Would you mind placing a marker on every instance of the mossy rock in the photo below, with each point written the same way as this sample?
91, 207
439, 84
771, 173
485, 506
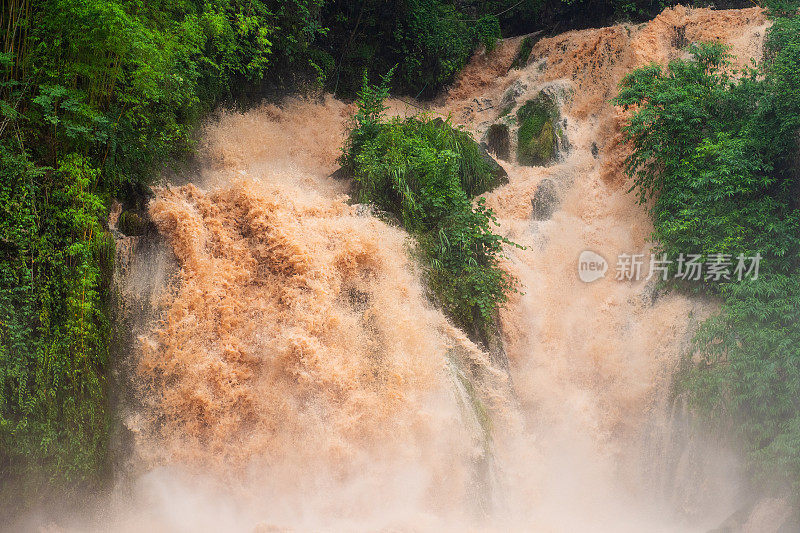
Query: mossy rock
509, 100
539, 131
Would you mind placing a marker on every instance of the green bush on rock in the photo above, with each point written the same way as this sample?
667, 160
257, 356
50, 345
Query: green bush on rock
426, 173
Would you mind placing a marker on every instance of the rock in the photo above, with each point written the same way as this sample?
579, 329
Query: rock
524, 52
679, 39
652, 291
525, 48
510, 97
345, 175
340, 174
135, 224
595, 150
545, 200
498, 141
483, 104
562, 143
540, 132
358, 299
499, 174
139, 195
364, 210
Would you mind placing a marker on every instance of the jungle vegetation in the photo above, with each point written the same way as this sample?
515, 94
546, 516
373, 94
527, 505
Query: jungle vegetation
716, 150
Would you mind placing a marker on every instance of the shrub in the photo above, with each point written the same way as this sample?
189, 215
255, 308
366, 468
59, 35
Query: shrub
715, 150
425, 172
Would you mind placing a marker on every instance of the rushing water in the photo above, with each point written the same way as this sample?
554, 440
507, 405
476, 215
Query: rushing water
291, 374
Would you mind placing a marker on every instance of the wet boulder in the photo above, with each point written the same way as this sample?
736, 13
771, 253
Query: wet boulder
766, 515
540, 132
545, 200
510, 97
135, 223
524, 52
522, 57
341, 174
498, 141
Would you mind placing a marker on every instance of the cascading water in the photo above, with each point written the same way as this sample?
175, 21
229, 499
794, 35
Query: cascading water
295, 376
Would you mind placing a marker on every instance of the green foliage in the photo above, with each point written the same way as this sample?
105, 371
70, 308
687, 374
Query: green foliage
53, 327
778, 9
124, 82
748, 375
524, 52
428, 41
425, 173
516, 17
715, 152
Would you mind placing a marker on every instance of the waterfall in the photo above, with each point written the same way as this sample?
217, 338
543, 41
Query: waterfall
291, 373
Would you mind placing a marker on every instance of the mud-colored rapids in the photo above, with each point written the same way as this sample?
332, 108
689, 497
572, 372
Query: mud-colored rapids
294, 376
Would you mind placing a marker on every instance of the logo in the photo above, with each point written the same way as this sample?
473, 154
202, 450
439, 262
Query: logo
591, 266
